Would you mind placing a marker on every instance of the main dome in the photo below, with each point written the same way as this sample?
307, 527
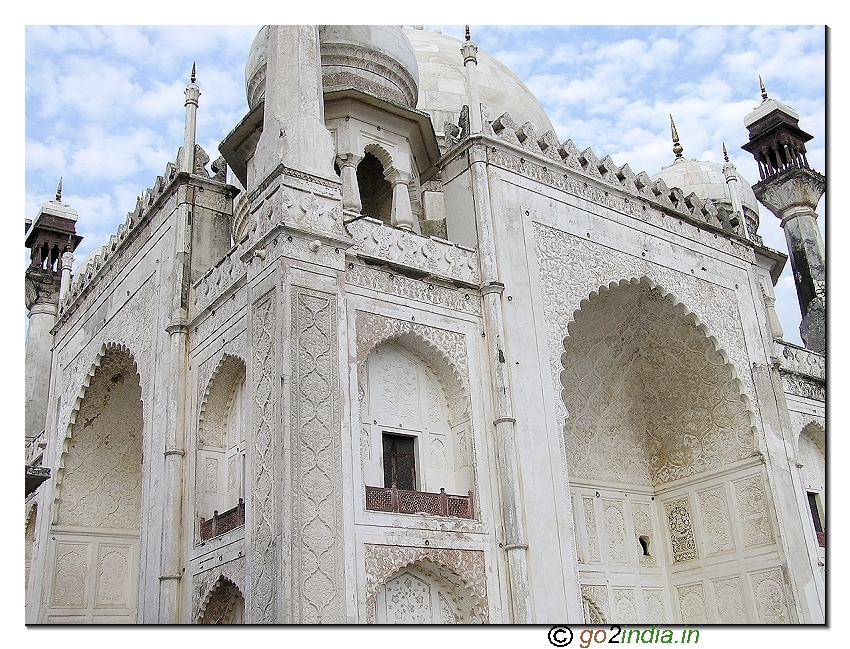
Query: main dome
442, 83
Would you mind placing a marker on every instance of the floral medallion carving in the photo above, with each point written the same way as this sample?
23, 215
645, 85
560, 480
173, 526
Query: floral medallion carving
754, 511
590, 529
714, 514
692, 604
615, 530
730, 601
768, 587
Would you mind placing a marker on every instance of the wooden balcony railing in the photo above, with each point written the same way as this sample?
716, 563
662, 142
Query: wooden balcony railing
221, 523
401, 501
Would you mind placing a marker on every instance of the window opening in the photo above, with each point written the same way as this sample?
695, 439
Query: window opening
813, 507
644, 545
375, 190
399, 462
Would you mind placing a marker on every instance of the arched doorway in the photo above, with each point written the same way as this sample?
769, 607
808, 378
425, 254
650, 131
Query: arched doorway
673, 513
93, 549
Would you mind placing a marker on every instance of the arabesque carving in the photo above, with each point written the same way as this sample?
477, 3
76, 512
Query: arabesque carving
681, 530
769, 590
463, 300
572, 268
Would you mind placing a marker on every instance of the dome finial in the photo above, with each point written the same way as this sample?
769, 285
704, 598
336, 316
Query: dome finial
725, 154
763, 89
59, 190
192, 78
677, 148
466, 33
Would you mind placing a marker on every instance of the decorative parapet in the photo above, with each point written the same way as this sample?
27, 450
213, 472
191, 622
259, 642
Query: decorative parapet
586, 163
34, 447
144, 205
429, 255
800, 361
218, 279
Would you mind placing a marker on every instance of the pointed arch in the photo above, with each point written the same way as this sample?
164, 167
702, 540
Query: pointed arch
445, 596
668, 365
107, 350
212, 414
95, 533
223, 604
444, 352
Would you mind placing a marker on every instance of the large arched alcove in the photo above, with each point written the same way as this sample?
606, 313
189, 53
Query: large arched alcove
425, 593
661, 452
93, 551
221, 448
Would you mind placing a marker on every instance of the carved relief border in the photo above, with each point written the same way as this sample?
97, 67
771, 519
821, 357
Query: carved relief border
316, 456
264, 553
383, 561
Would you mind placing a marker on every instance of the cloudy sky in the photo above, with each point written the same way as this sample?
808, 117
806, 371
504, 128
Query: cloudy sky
104, 105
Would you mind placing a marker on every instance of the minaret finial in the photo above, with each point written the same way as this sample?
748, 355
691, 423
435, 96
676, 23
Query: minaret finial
763, 89
192, 78
677, 148
59, 190
725, 154
466, 33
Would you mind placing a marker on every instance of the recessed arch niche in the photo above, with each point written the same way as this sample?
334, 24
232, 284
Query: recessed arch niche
93, 553
219, 467
661, 452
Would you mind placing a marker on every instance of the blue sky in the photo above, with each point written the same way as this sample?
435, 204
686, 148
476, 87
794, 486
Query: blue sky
104, 105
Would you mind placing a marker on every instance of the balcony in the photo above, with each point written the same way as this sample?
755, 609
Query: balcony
221, 523
400, 501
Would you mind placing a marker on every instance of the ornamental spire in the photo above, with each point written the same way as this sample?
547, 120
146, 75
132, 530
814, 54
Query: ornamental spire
677, 148
59, 191
763, 89
192, 78
466, 33
725, 153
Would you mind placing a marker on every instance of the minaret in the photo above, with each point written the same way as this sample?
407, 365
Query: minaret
731, 176
791, 190
193, 93
50, 237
